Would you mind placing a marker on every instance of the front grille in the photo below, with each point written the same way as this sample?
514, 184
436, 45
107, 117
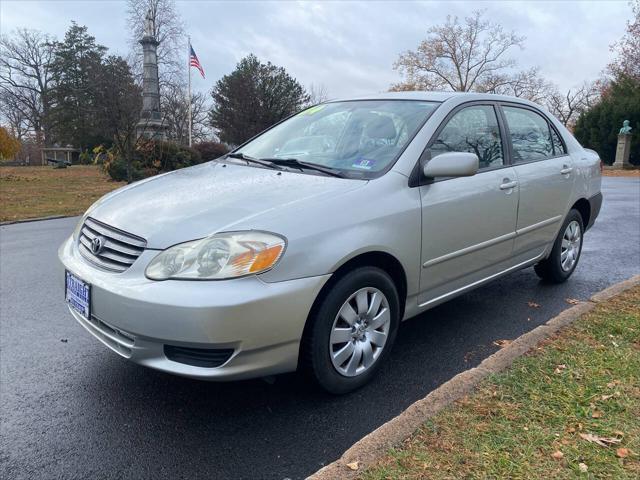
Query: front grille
198, 357
119, 249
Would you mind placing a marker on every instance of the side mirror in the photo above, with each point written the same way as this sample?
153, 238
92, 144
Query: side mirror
452, 164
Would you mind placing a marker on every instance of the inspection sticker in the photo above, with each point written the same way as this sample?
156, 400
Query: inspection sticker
364, 163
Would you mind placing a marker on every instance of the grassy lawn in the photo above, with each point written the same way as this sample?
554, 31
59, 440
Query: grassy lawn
621, 173
31, 192
571, 409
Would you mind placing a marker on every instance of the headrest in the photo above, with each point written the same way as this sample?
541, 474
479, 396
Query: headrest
380, 127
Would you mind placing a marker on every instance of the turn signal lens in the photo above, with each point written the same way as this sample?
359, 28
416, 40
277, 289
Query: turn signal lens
221, 256
266, 258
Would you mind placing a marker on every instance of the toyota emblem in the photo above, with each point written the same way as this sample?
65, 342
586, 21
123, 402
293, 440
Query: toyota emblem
97, 244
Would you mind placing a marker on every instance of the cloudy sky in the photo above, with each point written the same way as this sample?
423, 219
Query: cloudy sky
349, 47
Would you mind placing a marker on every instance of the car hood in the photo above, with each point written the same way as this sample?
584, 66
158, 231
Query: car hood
198, 201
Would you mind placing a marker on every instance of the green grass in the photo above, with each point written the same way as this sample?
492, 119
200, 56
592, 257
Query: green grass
585, 380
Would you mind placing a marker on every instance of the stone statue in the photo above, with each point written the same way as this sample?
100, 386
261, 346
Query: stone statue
148, 25
626, 129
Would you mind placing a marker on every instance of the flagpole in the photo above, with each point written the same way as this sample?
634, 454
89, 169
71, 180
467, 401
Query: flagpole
189, 99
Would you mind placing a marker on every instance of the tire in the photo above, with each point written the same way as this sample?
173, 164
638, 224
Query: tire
556, 268
331, 344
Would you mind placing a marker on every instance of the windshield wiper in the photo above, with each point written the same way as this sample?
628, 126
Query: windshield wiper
250, 159
295, 163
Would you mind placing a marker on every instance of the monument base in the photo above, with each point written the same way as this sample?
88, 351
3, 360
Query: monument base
152, 130
623, 151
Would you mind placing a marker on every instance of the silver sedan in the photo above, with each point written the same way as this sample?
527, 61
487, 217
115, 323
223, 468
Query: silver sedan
306, 247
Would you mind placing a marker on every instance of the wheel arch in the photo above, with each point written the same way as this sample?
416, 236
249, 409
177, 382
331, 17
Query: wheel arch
382, 260
584, 208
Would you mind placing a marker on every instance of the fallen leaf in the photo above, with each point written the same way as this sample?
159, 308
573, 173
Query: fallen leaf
597, 414
619, 433
613, 384
560, 368
534, 305
572, 301
602, 441
583, 467
565, 441
353, 465
622, 452
605, 397
502, 343
558, 455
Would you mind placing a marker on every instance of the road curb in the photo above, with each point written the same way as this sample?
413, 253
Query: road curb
38, 219
369, 449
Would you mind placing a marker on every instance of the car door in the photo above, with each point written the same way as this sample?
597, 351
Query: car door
545, 175
468, 223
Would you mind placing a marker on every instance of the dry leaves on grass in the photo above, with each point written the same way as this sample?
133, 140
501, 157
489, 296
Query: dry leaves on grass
602, 441
353, 465
558, 455
560, 368
534, 305
622, 452
583, 467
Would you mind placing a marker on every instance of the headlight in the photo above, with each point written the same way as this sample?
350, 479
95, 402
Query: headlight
224, 255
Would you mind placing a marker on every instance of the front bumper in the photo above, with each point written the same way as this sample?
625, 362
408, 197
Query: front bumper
136, 317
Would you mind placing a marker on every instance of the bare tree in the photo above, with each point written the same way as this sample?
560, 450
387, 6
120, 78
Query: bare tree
25, 77
627, 61
460, 56
13, 113
176, 114
528, 84
317, 93
168, 30
568, 106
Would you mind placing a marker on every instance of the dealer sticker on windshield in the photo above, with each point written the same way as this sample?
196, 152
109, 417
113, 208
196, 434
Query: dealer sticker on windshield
78, 294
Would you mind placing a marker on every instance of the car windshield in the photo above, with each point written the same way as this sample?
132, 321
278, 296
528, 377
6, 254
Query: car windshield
359, 139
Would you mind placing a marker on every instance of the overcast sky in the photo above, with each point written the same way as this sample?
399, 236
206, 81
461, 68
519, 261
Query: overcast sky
349, 47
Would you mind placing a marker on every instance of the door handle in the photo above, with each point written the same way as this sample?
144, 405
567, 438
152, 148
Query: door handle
566, 170
508, 185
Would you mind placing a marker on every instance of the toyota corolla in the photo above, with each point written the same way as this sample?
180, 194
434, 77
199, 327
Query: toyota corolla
306, 247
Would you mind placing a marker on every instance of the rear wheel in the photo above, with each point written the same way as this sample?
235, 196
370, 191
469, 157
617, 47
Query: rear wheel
566, 251
352, 331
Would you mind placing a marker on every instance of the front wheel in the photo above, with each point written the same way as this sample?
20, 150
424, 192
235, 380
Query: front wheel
352, 331
566, 251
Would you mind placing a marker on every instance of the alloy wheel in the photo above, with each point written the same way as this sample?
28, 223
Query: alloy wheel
359, 332
570, 249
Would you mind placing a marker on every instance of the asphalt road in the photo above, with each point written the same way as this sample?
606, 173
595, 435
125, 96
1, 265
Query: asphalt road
70, 408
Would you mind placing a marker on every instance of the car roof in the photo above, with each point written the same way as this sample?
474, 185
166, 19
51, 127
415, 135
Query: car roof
435, 96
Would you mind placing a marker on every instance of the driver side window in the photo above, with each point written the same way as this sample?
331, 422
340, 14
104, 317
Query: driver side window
475, 130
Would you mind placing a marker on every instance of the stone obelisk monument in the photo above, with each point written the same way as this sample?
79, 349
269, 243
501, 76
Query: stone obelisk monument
151, 125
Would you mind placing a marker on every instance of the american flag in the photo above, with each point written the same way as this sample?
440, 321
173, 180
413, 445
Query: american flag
194, 62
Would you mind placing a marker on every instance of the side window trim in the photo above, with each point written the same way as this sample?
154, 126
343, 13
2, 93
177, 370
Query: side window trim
416, 178
508, 133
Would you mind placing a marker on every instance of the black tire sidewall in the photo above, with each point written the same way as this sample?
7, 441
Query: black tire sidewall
320, 362
555, 262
